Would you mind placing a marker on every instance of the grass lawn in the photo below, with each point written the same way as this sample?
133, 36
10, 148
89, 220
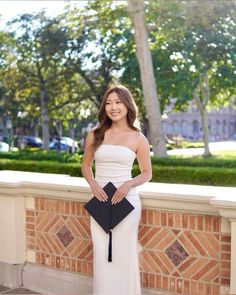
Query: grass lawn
224, 155
229, 155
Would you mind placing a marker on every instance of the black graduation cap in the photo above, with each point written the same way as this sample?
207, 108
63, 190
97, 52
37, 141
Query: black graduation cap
108, 215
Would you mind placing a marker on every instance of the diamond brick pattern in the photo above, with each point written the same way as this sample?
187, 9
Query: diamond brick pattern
182, 252
61, 235
65, 236
176, 253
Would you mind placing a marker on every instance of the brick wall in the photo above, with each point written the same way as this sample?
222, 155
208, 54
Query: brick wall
58, 231
181, 252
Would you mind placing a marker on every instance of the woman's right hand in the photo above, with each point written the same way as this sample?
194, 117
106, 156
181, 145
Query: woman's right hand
98, 191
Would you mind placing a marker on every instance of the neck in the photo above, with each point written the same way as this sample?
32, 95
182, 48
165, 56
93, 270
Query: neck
120, 125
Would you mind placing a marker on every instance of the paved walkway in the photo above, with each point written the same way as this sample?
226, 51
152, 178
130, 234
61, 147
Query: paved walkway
214, 148
6, 290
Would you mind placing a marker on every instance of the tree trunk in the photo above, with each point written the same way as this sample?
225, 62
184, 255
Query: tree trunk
45, 118
201, 95
72, 135
146, 128
36, 130
136, 10
72, 132
59, 128
205, 130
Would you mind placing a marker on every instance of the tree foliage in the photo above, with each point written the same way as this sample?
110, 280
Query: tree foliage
53, 67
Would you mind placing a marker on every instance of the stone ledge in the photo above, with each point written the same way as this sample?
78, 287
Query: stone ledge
10, 274
56, 282
181, 197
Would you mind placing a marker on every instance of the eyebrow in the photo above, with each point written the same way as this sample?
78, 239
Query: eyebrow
114, 99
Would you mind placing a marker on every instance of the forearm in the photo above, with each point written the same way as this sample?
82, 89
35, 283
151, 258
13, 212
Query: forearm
140, 179
96, 189
88, 173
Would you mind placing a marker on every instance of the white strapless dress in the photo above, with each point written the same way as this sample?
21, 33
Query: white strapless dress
121, 276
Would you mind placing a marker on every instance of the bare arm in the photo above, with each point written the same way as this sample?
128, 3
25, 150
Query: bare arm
145, 166
86, 169
144, 161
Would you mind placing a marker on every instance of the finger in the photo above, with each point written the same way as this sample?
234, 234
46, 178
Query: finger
104, 197
114, 198
98, 195
103, 194
121, 197
118, 200
117, 197
99, 198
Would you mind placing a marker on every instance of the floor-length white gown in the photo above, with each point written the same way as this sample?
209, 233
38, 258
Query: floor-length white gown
121, 276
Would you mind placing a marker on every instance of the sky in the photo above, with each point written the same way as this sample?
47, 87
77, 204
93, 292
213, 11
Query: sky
11, 8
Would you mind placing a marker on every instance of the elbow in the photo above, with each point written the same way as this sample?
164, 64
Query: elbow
83, 169
150, 176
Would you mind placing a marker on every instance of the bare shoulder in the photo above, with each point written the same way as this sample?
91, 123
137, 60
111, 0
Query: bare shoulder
142, 143
141, 139
91, 131
90, 134
90, 137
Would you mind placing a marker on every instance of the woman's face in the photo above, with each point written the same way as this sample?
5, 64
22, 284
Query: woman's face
115, 108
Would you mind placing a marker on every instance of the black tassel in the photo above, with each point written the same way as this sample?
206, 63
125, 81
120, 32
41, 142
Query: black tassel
110, 247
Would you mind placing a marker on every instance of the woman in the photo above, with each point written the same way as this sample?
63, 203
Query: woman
114, 144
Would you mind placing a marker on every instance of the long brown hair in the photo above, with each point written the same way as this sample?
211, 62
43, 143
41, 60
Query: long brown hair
105, 122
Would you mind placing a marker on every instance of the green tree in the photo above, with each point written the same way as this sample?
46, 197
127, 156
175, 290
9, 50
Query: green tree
136, 8
8, 103
40, 53
96, 35
193, 49
207, 59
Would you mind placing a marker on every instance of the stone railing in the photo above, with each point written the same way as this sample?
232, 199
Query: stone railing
187, 235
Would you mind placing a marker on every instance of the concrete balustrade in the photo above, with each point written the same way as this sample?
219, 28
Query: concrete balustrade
187, 236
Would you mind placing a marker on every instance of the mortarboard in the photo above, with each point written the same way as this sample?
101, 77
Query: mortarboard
108, 215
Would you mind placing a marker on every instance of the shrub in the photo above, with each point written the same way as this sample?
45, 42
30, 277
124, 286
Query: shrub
192, 175
194, 162
166, 174
72, 169
40, 155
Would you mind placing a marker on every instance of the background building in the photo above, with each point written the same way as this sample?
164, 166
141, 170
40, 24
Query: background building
221, 122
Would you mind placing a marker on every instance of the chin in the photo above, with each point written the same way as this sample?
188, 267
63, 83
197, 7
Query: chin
115, 118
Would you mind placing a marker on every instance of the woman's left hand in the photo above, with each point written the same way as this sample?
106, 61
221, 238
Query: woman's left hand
121, 192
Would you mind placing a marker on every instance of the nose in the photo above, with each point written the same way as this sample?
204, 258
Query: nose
113, 106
